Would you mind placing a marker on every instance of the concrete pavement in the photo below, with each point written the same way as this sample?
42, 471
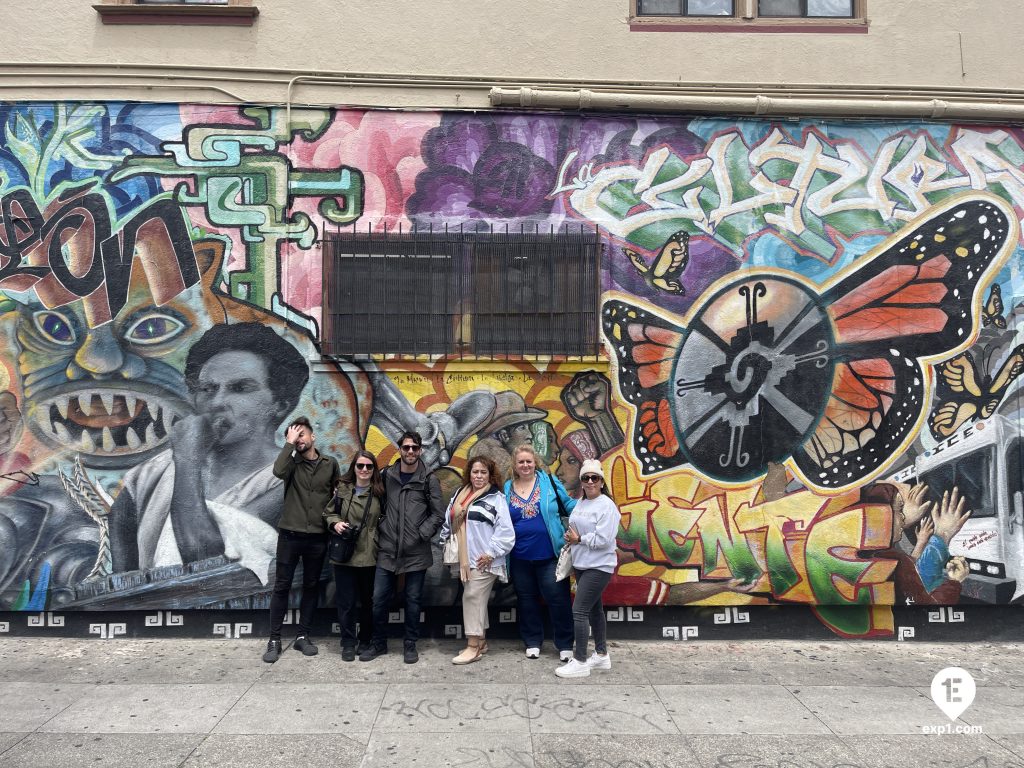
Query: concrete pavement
769, 704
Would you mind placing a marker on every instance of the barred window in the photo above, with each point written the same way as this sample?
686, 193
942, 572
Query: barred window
455, 293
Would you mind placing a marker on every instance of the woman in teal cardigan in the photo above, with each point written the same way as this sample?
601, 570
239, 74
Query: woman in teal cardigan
533, 500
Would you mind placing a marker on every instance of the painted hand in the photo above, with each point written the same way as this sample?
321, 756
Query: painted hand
956, 569
950, 515
916, 505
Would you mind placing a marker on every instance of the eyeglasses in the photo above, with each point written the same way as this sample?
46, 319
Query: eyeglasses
591, 478
411, 447
364, 466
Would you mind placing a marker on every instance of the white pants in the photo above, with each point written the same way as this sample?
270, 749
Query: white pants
475, 594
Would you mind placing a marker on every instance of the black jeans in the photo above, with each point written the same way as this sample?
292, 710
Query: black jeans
587, 608
383, 589
351, 585
311, 549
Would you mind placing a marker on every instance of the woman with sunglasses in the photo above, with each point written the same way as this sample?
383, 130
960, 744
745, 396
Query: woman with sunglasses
357, 503
537, 502
479, 517
591, 534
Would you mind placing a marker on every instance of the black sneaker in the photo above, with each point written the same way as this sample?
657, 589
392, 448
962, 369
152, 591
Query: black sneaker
348, 653
273, 652
304, 644
372, 653
411, 656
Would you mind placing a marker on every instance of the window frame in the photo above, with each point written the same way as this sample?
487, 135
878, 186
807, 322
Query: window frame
239, 13
745, 18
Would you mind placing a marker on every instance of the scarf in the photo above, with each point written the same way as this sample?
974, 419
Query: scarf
460, 513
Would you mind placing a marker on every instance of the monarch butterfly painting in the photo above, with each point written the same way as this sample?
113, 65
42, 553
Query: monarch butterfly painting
832, 379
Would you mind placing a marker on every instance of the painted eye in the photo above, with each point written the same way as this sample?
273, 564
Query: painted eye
55, 327
154, 329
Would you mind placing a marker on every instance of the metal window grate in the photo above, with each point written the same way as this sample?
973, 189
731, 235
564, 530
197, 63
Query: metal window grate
465, 294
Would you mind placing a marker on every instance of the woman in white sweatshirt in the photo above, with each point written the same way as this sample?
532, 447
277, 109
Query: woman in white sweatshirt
592, 529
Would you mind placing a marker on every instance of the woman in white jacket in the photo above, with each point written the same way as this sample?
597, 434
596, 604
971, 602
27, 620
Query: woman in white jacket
478, 513
592, 530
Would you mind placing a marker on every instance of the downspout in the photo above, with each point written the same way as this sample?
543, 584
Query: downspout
584, 99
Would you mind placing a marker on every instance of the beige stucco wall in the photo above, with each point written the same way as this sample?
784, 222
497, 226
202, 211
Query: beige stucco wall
909, 43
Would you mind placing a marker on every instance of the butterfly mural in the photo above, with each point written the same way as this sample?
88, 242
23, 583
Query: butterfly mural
965, 394
830, 379
668, 265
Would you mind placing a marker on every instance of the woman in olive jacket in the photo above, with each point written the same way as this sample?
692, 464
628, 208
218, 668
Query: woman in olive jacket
357, 502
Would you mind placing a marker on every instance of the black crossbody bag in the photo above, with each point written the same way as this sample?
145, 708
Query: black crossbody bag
341, 546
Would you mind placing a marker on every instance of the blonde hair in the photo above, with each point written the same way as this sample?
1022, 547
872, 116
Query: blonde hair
527, 448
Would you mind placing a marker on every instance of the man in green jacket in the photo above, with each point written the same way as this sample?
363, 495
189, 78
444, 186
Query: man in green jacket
309, 480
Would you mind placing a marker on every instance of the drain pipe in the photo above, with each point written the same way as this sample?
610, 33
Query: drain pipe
583, 99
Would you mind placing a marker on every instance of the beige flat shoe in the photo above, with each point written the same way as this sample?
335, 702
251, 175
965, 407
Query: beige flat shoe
468, 655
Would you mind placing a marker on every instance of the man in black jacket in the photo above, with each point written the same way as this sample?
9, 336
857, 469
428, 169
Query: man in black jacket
412, 514
309, 480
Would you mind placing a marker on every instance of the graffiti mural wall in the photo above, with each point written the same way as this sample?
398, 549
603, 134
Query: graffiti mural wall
810, 332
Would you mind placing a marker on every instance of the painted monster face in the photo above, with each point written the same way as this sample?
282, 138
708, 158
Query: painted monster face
108, 392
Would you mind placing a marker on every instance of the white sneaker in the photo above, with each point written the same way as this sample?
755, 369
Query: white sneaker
574, 668
564, 655
599, 662
533, 653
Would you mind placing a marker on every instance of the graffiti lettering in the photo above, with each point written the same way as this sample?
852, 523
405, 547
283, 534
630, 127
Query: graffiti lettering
69, 251
804, 188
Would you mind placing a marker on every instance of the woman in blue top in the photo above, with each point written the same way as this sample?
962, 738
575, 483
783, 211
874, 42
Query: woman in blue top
534, 507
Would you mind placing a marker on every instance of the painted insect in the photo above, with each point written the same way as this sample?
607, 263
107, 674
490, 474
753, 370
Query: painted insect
992, 314
966, 394
832, 379
668, 265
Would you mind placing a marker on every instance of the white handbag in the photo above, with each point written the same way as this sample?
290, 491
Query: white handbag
450, 554
564, 566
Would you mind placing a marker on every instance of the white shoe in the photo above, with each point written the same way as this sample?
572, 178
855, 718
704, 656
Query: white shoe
574, 668
599, 662
533, 653
564, 655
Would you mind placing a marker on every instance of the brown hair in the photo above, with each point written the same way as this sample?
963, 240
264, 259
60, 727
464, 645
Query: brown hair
376, 481
492, 470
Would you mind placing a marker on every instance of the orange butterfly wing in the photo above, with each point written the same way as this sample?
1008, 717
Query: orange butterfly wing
645, 348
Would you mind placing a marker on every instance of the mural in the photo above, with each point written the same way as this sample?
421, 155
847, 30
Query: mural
809, 392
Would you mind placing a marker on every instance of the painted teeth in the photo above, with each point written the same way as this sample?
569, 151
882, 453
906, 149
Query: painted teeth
62, 406
150, 436
108, 440
85, 405
107, 398
62, 433
133, 439
86, 444
130, 401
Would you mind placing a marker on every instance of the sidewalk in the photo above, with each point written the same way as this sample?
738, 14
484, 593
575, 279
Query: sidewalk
770, 704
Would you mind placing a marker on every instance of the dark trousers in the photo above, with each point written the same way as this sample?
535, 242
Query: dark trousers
293, 547
354, 585
534, 579
588, 611
383, 590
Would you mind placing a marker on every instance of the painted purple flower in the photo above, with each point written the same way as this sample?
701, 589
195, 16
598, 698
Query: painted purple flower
496, 168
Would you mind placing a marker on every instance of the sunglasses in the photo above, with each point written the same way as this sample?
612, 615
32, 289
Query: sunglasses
591, 478
364, 466
412, 448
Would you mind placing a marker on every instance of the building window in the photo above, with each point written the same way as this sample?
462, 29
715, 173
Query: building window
461, 294
750, 15
831, 9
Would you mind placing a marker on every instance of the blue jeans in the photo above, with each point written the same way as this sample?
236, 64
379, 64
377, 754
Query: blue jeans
532, 580
383, 590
